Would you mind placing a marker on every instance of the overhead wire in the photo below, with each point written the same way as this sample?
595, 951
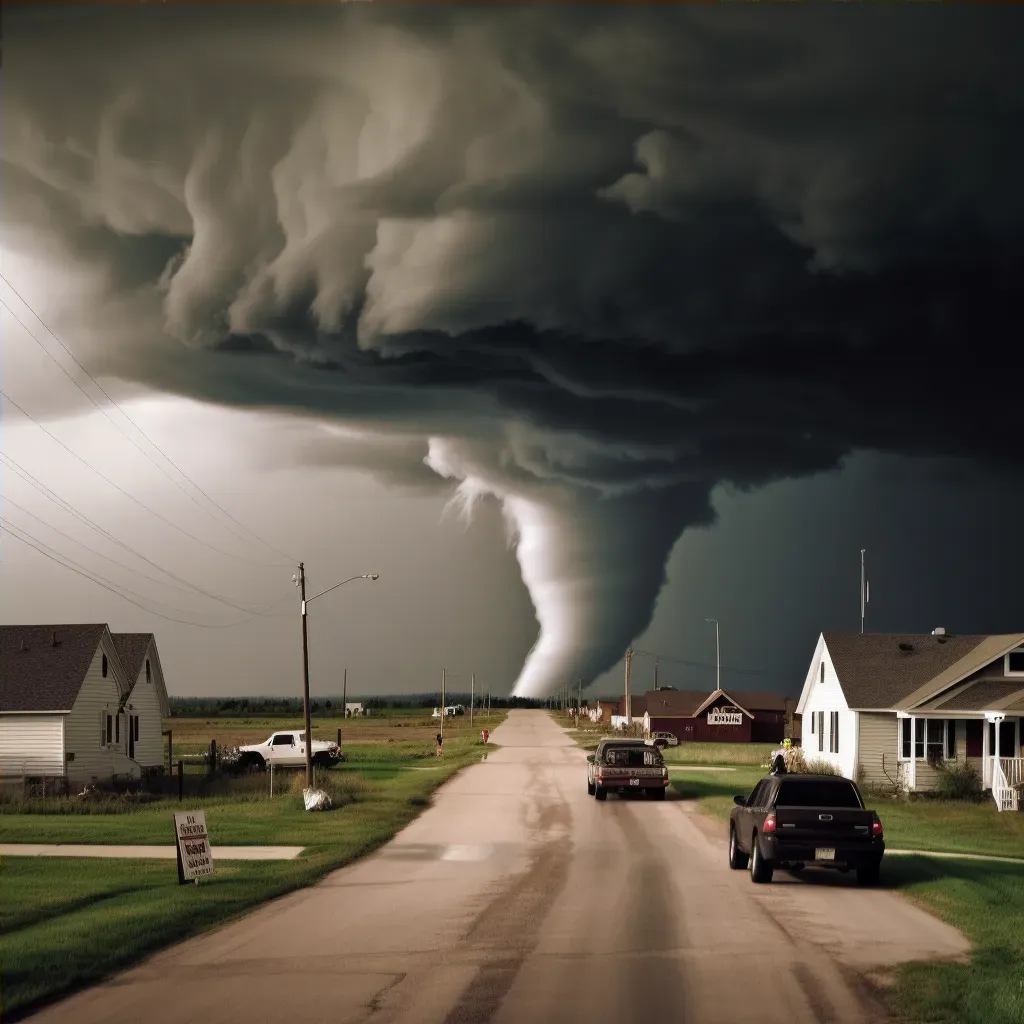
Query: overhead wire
106, 479
68, 507
120, 591
148, 439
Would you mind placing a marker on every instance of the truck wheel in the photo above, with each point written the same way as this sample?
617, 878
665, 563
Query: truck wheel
322, 761
870, 874
658, 794
761, 870
600, 792
590, 788
737, 858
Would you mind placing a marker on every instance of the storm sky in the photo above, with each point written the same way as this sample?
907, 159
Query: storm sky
577, 325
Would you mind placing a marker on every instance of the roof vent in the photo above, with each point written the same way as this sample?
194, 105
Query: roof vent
939, 631
906, 647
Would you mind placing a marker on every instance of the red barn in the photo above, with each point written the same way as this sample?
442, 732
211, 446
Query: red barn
722, 716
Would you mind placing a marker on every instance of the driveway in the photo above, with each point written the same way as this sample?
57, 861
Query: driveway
517, 898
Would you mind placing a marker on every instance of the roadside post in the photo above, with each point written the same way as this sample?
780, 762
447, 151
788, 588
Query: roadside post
181, 780
192, 842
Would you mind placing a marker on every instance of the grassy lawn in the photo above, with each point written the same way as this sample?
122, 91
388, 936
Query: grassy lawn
986, 902
109, 914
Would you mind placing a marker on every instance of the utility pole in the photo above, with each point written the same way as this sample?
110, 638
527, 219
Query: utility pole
344, 695
655, 673
863, 590
628, 708
579, 704
488, 703
718, 656
472, 699
444, 674
305, 679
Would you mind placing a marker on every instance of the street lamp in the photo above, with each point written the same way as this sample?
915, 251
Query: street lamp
718, 656
300, 582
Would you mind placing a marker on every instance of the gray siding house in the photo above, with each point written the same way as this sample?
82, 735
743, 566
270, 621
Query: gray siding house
890, 708
79, 704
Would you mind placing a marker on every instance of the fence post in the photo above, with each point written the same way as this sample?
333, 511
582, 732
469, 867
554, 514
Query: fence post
213, 758
181, 780
170, 752
339, 735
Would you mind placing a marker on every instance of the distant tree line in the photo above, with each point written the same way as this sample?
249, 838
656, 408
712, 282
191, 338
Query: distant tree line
269, 707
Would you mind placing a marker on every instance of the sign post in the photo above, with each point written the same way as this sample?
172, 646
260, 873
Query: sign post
195, 860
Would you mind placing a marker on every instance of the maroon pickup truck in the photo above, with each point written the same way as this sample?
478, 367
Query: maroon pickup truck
626, 766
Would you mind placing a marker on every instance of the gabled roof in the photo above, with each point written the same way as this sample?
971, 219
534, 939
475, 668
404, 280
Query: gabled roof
898, 670
42, 668
985, 694
686, 703
761, 700
131, 649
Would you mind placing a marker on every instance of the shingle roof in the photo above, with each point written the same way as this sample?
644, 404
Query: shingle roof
759, 700
875, 672
131, 649
674, 703
637, 705
36, 674
980, 695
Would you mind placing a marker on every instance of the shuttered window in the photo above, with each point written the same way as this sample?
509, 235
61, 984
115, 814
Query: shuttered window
821, 730
833, 732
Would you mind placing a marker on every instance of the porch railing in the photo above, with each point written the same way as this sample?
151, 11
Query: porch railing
1007, 778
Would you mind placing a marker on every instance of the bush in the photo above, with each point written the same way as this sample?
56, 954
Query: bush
798, 763
957, 780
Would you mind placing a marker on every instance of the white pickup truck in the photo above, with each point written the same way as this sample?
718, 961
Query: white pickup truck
288, 750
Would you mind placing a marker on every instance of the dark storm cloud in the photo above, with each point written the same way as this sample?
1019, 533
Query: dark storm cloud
598, 260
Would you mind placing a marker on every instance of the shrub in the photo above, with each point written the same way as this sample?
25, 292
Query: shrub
957, 780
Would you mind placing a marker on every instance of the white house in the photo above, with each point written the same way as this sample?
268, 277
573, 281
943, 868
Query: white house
79, 704
353, 709
888, 708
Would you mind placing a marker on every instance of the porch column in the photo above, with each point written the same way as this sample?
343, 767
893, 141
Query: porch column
912, 779
986, 763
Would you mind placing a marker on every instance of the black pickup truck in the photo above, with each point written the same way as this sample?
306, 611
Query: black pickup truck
791, 821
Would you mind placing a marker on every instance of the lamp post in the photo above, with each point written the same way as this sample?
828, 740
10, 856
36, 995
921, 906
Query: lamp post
718, 656
300, 582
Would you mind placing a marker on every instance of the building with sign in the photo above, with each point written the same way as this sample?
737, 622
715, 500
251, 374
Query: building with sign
721, 716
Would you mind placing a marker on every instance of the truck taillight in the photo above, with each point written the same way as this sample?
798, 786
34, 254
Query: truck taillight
769, 824
664, 773
876, 828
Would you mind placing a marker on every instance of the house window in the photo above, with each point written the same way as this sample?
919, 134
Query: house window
823, 672
821, 730
104, 666
117, 728
109, 732
833, 732
136, 728
812, 723
1015, 663
149, 674
934, 739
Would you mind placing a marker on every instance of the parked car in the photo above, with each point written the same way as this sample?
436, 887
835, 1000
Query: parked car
288, 750
626, 766
665, 739
790, 821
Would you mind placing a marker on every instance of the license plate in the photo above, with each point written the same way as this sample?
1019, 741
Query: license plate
634, 782
825, 854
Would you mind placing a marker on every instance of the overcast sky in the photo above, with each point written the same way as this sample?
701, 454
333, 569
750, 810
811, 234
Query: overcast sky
577, 326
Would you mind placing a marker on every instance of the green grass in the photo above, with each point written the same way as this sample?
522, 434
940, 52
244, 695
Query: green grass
108, 914
986, 902
933, 825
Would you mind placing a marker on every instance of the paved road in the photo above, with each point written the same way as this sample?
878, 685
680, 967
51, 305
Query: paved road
517, 898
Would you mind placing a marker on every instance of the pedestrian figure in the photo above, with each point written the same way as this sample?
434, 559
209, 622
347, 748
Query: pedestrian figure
440, 740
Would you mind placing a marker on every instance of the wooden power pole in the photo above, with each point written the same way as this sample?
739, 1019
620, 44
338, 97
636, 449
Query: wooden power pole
628, 708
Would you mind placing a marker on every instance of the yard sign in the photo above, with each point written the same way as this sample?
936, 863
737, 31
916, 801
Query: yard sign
193, 843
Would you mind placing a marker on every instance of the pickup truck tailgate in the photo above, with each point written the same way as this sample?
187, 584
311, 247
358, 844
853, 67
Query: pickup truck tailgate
823, 825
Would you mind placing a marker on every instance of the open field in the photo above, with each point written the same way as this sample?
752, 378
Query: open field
109, 914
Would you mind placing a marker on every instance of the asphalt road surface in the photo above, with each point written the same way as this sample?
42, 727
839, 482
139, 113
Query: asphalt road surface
518, 899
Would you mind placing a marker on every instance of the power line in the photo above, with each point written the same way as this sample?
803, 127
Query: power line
127, 494
114, 561
68, 507
149, 440
123, 595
